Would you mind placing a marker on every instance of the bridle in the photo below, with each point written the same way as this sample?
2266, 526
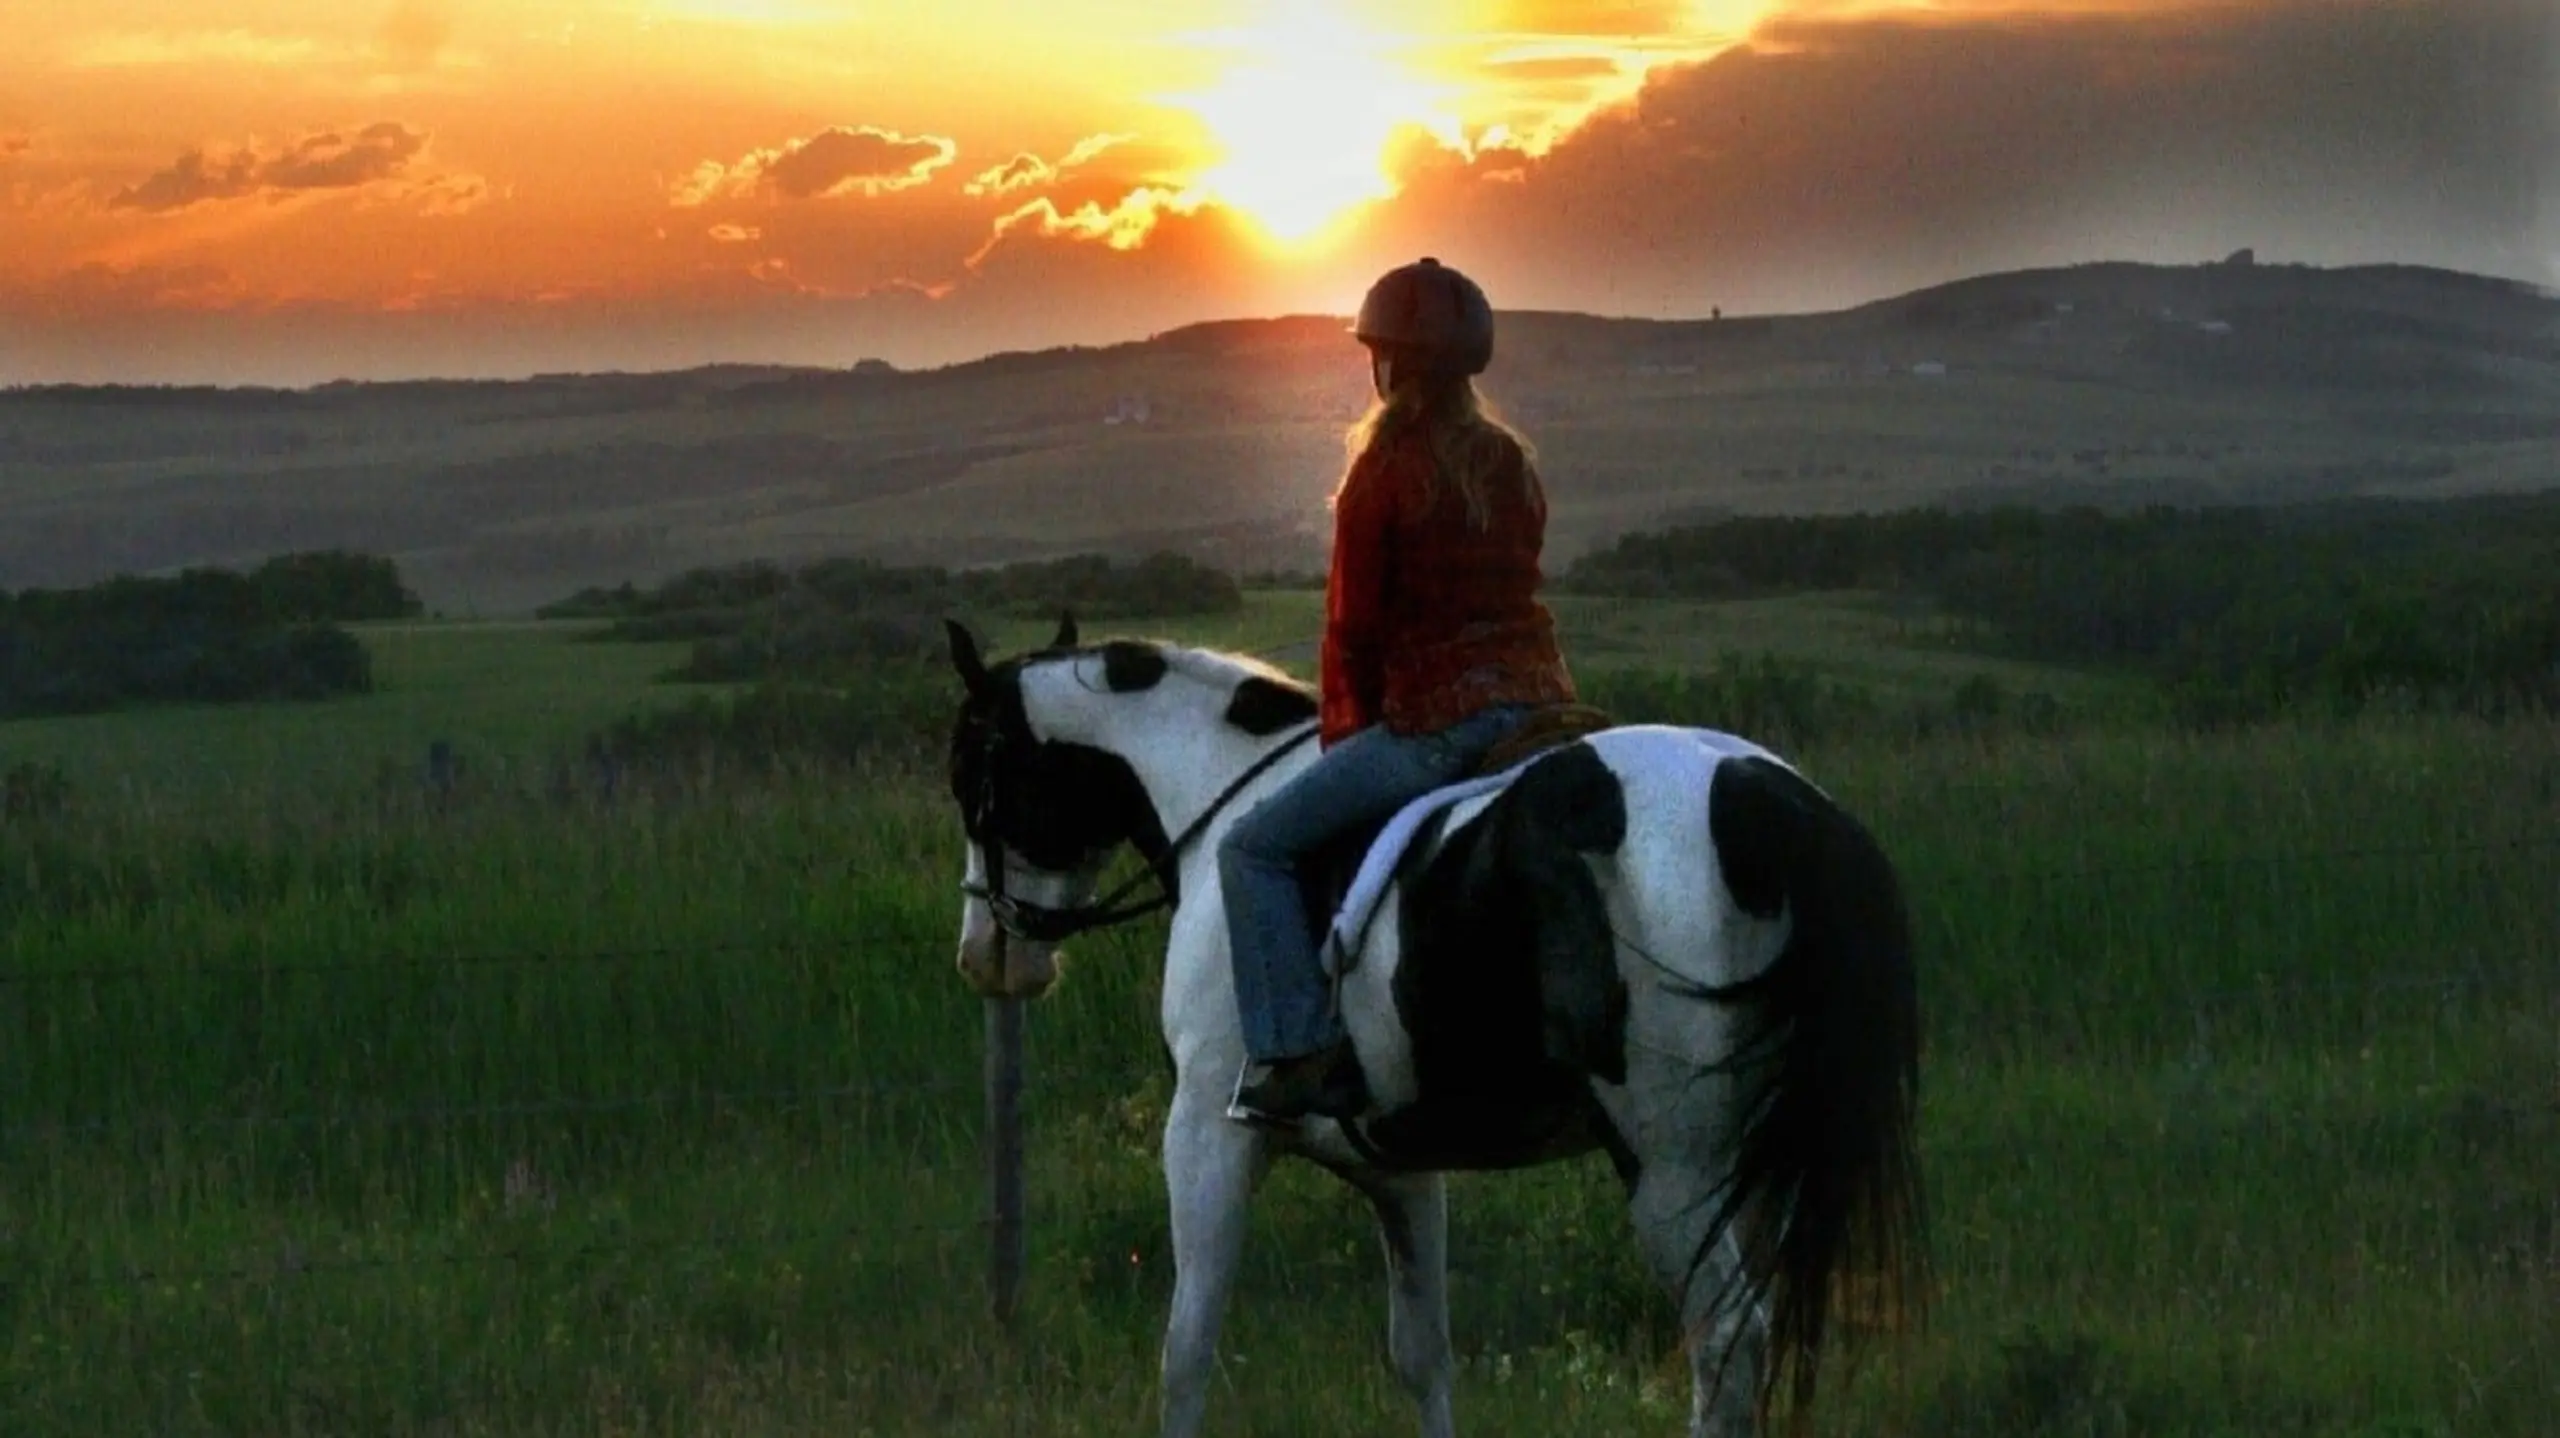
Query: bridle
1044, 924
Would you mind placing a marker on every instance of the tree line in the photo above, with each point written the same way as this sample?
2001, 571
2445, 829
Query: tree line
842, 619
2238, 612
206, 635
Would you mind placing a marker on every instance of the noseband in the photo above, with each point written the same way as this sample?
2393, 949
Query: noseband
1043, 924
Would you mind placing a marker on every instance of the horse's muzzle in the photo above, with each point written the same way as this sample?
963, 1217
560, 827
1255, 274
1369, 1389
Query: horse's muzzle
998, 966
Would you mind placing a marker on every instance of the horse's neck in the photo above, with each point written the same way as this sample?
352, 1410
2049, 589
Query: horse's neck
1185, 775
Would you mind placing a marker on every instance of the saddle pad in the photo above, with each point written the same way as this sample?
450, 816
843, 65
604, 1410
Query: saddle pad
1351, 921
1350, 926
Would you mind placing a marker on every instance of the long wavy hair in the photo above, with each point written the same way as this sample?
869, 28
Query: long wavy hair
1471, 446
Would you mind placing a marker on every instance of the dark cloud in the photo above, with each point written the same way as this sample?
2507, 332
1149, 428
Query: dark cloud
835, 159
195, 177
326, 161
838, 160
338, 162
1836, 159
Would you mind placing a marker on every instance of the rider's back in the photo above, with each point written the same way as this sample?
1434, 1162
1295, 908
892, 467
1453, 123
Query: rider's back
1443, 606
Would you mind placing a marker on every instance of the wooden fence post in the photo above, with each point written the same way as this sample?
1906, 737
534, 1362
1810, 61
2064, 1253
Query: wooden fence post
1004, 1155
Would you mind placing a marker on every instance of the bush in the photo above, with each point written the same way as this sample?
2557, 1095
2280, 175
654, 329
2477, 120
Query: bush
82, 664
333, 585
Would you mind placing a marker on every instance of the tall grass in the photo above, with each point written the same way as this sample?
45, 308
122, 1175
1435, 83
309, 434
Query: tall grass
529, 1116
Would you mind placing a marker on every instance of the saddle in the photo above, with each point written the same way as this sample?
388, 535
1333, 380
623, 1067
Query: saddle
1325, 876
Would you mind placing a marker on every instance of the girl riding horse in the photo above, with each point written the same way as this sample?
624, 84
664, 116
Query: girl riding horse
1435, 649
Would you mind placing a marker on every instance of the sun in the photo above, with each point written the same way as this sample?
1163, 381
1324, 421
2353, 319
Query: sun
1301, 123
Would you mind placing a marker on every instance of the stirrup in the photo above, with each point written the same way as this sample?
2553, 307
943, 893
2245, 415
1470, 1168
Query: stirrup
1340, 1092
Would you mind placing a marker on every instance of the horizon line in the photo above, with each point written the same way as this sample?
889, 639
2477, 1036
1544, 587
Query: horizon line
2533, 288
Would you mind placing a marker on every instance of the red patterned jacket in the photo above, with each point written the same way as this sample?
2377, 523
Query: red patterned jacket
1427, 618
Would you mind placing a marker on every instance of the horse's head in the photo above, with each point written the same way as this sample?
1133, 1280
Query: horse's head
1042, 816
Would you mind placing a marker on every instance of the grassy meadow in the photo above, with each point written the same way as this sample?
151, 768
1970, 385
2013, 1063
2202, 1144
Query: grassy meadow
324, 1110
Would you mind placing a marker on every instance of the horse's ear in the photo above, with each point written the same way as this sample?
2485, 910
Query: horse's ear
1066, 630
964, 655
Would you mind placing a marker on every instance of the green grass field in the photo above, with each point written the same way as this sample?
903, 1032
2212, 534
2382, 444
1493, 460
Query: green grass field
505, 694
323, 1114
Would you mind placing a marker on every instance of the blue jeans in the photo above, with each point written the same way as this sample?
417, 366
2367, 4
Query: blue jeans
1282, 990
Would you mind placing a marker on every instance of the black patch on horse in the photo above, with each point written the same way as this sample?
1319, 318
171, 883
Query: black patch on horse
1058, 805
1263, 706
1753, 807
1129, 666
1508, 982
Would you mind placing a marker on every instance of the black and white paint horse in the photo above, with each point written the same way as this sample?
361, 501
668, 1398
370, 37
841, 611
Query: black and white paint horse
1658, 943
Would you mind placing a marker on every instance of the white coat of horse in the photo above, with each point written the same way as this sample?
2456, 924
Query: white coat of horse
1654, 942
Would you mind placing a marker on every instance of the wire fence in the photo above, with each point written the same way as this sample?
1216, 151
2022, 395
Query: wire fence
2197, 1129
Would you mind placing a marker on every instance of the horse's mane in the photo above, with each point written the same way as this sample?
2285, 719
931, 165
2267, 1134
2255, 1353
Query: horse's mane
1226, 668
1216, 668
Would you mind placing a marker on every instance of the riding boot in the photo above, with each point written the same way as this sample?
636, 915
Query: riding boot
1327, 1082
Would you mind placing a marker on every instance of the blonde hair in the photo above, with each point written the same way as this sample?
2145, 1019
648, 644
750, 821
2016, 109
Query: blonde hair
1471, 446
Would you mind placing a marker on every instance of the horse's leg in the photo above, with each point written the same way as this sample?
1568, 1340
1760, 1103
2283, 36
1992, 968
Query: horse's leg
1211, 1167
1726, 1337
1413, 1227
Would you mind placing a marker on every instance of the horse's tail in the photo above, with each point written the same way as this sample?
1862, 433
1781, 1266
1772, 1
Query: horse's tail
1826, 1175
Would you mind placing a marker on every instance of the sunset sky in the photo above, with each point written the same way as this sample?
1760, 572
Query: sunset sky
287, 191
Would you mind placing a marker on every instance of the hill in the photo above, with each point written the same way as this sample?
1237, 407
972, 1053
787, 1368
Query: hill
2109, 383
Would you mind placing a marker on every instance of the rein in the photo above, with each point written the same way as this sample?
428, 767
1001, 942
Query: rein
1041, 924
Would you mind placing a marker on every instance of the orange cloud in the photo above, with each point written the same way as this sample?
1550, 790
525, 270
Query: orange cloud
1123, 226
834, 162
329, 160
735, 234
1023, 172
1028, 171
13, 144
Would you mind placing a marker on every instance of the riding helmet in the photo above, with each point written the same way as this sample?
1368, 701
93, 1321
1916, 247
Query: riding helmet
1432, 310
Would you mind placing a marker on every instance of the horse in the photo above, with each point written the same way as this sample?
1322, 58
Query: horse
1658, 943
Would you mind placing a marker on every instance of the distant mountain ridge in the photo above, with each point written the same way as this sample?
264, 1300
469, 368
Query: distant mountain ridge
2107, 383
